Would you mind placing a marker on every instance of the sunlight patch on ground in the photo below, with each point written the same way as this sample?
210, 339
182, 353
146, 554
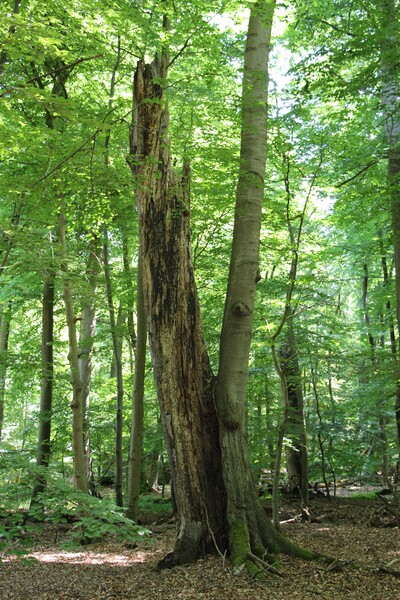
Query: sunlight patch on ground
88, 558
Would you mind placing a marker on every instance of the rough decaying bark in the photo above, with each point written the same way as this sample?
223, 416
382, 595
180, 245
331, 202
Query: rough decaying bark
180, 361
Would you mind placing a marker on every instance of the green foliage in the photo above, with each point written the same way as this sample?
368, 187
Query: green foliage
326, 147
155, 504
87, 518
370, 496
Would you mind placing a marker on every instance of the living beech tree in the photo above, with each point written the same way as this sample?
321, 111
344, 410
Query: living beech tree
203, 416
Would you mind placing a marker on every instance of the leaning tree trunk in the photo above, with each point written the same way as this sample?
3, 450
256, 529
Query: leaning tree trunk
180, 360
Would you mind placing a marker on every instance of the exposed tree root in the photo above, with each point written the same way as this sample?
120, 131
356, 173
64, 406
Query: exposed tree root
263, 560
257, 552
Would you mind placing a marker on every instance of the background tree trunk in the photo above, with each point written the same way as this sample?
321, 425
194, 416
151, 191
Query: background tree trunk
116, 371
4, 337
135, 452
79, 462
46, 396
85, 350
296, 453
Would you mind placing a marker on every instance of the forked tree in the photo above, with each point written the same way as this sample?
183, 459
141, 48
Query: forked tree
204, 416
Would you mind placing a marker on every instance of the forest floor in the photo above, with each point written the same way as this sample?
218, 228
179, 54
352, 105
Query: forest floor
362, 534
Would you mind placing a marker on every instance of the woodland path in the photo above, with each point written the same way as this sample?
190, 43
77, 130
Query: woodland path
360, 531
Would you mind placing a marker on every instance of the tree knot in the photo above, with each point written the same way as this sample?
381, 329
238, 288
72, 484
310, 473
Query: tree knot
239, 309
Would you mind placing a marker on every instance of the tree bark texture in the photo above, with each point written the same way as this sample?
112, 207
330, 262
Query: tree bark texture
215, 495
180, 360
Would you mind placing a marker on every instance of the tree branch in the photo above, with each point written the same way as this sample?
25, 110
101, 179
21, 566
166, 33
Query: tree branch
365, 168
38, 78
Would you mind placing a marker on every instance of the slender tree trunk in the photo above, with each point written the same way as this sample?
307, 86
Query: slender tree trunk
130, 299
247, 526
117, 369
135, 452
375, 371
5, 312
296, 452
46, 397
320, 436
85, 350
4, 337
79, 462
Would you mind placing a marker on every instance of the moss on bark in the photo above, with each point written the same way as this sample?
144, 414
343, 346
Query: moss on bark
239, 543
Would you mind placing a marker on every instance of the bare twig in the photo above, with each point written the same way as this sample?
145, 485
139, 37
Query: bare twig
266, 567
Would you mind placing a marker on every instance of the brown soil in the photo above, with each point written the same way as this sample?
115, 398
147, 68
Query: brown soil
363, 536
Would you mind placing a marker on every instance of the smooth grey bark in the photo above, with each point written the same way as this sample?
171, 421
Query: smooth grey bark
85, 349
135, 451
248, 528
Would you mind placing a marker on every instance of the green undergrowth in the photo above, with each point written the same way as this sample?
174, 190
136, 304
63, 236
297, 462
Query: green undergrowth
154, 503
82, 518
370, 496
